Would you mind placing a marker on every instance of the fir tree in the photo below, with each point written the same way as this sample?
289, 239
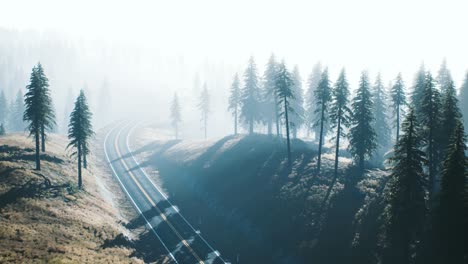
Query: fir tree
450, 226
406, 204
450, 115
3, 108
310, 102
362, 137
175, 115
418, 91
204, 107
38, 112
80, 131
2, 130
340, 118
399, 100
382, 129
464, 100
430, 122
444, 77
16, 114
270, 111
234, 101
297, 117
70, 101
322, 97
285, 94
250, 97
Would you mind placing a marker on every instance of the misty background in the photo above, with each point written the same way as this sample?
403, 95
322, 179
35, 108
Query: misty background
130, 57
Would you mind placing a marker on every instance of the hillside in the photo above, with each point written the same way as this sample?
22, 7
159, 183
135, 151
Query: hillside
239, 191
45, 218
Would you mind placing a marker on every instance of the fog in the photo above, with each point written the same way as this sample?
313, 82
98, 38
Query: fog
145, 51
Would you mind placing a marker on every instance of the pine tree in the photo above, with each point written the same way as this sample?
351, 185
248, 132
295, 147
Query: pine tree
322, 97
250, 97
340, 118
430, 122
2, 130
310, 102
175, 115
297, 117
38, 110
80, 131
444, 77
285, 94
3, 108
450, 226
450, 115
399, 100
16, 114
464, 100
362, 136
418, 91
204, 107
270, 109
406, 204
382, 129
234, 101
69, 102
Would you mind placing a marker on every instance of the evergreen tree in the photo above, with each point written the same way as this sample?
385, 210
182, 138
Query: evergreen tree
270, 111
450, 115
80, 131
418, 91
204, 107
297, 117
464, 100
175, 115
340, 119
70, 101
450, 226
430, 122
362, 136
382, 129
234, 101
406, 204
3, 108
16, 114
250, 97
2, 130
310, 102
322, 97
285, 94
38, 110
399, 100
444, 77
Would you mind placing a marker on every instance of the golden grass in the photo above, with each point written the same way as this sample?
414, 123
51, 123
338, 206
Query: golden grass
58, 224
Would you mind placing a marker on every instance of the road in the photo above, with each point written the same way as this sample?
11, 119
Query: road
183, 243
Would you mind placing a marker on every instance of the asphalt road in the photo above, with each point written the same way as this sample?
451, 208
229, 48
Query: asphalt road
176, 235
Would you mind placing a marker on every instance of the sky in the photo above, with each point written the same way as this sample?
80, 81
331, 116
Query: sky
377, 35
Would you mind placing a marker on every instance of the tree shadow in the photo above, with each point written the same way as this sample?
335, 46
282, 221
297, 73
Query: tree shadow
14, 153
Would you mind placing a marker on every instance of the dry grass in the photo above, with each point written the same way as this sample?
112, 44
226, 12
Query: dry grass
56, 223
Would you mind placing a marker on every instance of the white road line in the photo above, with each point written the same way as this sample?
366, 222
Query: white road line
165, 197
131, 198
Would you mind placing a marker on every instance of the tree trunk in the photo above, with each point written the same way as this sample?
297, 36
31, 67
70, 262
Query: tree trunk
319, 161
277, 117
85, 162
287, 131
270, 127
43, 138
79, 166
38, 158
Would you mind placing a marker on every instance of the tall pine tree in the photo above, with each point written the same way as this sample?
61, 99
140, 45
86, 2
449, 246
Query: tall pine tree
450, 115
204, 107
322, 97
310, 102
39, 112
270, 110
362, 136
406, 203
176, 117
399, 100
250, 97
16, 114
80, 131
418, 91
285, 94
382, 129
297, 117
234, 101
444, 77
464, 100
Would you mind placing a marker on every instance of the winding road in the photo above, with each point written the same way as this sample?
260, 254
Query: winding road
183, 243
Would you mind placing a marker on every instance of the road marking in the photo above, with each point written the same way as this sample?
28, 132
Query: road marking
163, 216
131, 198
130, 151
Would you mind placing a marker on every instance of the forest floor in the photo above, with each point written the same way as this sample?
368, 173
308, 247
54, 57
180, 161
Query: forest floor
45, 218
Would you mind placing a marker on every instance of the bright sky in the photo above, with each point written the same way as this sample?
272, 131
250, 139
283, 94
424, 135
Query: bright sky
378, 35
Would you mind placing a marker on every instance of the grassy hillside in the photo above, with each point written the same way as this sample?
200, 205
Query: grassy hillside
44, 218
240, 193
